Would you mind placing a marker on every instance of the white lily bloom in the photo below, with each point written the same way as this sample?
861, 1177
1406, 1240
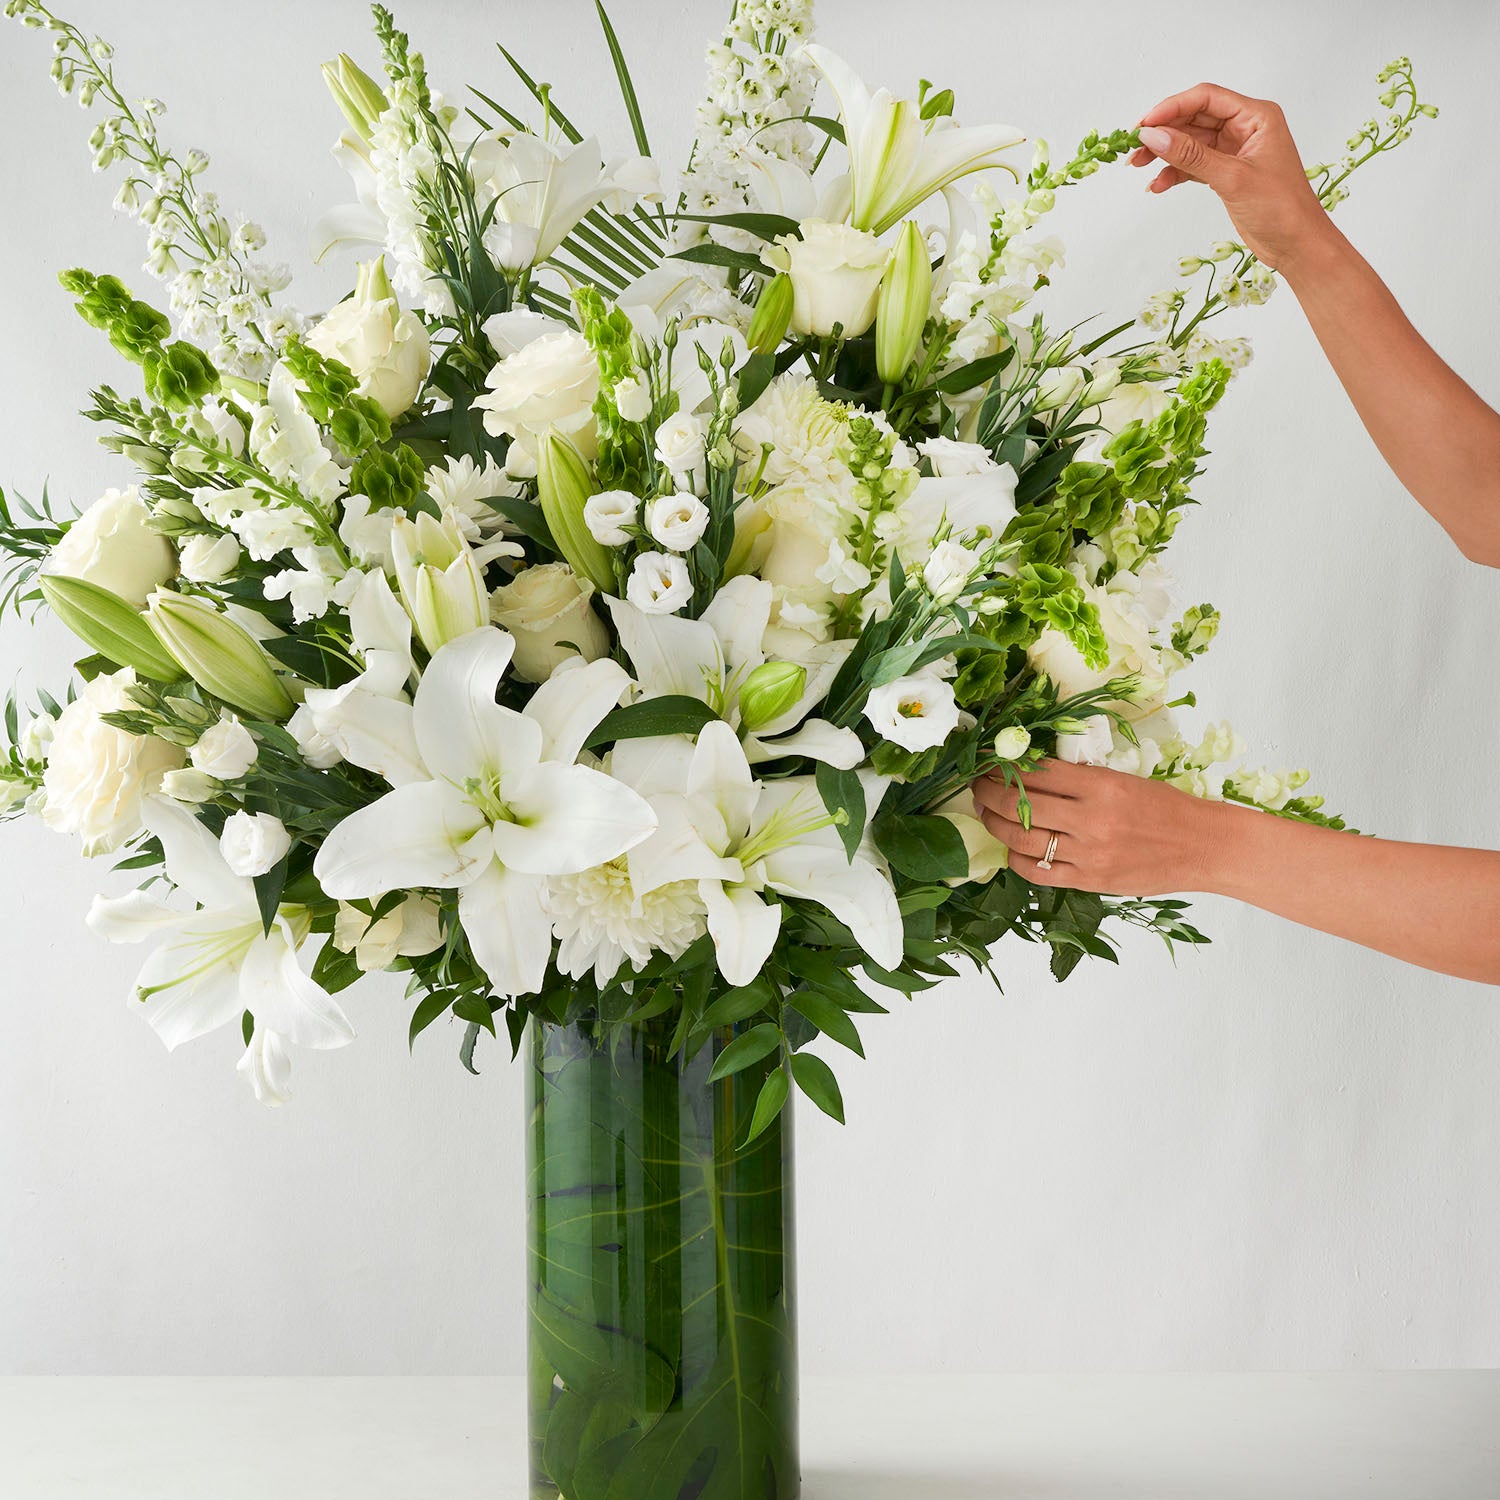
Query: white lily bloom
740, 838
494, 803
895, 161
218, 962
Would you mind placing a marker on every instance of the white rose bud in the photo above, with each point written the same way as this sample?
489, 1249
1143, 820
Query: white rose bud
948, 570
915, 713
1012, 742
253, 843
387, 349
676, 521
679, 443
208, 559
225, 751
633, 398
835, 272
608, 513
112, 545
548, 611
659, 583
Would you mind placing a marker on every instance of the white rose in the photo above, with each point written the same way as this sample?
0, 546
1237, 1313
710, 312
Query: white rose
548, 612
225, 751
677, 521
253, 843
188, 785
386, 348
835, 271
1131, 650
208, 559
97, 775
112, 546
608, 513
951, 459
550, 382
913, 712
948, 570
411, 929
659, 583
633, 398
317, 749
679, 443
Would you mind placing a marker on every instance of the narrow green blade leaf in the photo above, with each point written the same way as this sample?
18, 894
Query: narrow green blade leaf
627, 88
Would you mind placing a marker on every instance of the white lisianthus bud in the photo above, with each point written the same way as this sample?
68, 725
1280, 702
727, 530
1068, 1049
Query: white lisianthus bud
1057, 387
189, 785
676, 521
1012, 742
36, 738
208, 559
633, 398
225, 750
253, 843
112, 545
835, 272
547, 610
915, 713
98, 776
608, 513
679, 443
386, 348
659, 583
948, 570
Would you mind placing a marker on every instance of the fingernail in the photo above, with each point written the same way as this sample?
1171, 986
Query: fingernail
1153, 138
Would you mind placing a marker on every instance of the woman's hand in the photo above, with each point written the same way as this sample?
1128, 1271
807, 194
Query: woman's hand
1242, 149
1120, 834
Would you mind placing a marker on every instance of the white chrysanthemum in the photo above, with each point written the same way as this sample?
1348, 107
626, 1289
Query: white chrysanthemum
465, 488
599, 924
806, 434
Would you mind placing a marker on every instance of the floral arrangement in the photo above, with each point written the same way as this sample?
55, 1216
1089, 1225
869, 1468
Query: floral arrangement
605, 608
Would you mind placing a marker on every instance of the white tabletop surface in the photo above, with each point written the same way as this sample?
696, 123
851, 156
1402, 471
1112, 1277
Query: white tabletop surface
1418, 1436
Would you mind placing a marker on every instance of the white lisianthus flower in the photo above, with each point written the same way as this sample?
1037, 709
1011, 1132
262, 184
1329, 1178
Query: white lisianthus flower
225, 750
550, 382
410, 930
679, 443
915, 712
1058, 387
1089, 746
951, 459
189, 785
387, 349
36, 738
948, 570
633, 398
835, 272
677, 521
608, 513
253, 843
547, 609
98, 777
208, 559
659, 583
317, 749
112, 545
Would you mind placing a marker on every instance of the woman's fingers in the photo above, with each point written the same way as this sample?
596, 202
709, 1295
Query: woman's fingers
1047, 810
1203, 104
1032, 843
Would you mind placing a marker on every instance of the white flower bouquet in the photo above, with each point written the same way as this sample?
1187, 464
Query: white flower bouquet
605, 608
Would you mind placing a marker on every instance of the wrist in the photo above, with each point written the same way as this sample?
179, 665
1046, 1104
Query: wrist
1224, 836
1318, 252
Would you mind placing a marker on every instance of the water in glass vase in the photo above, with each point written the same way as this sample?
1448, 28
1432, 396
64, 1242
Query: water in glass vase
663, 1351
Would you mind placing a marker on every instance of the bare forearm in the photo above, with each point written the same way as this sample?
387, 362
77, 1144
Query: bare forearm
1428, 904
1439, 437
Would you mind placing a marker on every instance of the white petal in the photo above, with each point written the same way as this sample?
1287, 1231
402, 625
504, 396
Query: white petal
276, 991
568, 818
192, 996
720, 775
653, 763
681, 849
377, 620
193, 861
369, 730
817, 739
461, 730
348, 224
743, 928
570, 704
426, 834
132, 918
739, 615
669, 654
267, 1066
855, 892
509, 932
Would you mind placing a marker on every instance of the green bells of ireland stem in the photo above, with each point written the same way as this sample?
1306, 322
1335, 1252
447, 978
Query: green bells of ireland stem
564, 486
772, 316
222, 657
905, 295
361, 100
110, 625
770, 691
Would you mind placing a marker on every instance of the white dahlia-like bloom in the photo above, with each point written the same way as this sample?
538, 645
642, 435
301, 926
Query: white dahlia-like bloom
805, 432
600, 923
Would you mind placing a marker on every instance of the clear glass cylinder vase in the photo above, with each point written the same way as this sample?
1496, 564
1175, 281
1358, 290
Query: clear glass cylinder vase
663, 1350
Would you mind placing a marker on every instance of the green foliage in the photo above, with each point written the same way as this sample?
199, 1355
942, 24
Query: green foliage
329, 391
622, 461
393, 478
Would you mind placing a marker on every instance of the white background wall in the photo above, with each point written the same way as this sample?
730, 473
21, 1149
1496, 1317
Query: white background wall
1280, 1152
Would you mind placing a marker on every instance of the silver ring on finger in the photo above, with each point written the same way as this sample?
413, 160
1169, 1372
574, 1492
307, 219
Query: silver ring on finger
1045, 862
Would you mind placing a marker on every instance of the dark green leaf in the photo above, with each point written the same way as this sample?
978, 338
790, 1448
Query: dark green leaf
268, 889
925, 848
722, 255
815, 1079
427, 1011
831, 1019
768, 1105
746, 1049
675, 713
843, 794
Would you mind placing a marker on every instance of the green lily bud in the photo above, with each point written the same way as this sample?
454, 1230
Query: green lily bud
357, 95
564, 485
223, 658
769, 691
440, 579
772, 316
112, 626
1012, 743
905, 294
